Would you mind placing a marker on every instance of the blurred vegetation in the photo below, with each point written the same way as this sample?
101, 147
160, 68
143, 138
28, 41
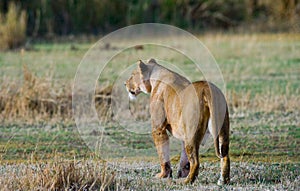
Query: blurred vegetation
48, 19
64, 17
12, 28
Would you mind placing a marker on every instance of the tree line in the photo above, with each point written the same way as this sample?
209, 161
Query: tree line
64, 17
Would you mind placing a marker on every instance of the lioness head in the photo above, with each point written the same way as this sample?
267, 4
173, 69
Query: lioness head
139, 80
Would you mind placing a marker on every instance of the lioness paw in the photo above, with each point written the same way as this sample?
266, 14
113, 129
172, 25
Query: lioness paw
183, 171
159, 175
163, 175
187, 180
222, 182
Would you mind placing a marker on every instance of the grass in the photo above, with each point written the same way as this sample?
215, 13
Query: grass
92, 175
57, 175
262, 140
261, 72
23, 142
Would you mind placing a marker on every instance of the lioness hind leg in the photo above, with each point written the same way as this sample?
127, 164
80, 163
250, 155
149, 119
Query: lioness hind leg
225, 171
184, 164
192, 151
224, 153
225, 162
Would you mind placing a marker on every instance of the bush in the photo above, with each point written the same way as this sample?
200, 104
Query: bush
12, 28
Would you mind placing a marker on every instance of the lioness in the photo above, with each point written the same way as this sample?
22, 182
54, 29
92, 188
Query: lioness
186, 110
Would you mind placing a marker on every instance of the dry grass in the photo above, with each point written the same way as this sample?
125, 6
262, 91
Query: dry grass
38, 99
12, 28
244, 102
35, 99
57, 175
260, 71
89, 175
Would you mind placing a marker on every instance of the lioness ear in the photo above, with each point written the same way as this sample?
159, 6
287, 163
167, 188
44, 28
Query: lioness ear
152, 60
144, 70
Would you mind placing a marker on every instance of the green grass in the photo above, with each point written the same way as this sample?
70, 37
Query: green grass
256, 141
259, 63
22, 142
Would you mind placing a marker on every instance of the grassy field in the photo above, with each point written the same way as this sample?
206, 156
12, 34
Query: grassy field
40, 146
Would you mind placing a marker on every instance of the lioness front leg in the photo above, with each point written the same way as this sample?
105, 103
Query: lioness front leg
161, 140
184, 164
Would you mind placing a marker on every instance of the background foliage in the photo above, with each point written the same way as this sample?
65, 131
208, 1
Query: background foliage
12, 28
63, 17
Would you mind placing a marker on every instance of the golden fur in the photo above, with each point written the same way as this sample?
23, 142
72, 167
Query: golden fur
184, 109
